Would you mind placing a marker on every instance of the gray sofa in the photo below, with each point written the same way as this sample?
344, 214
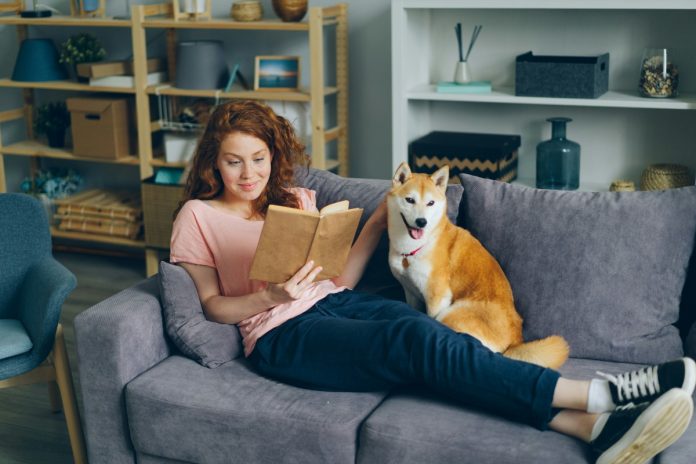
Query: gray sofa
145, 402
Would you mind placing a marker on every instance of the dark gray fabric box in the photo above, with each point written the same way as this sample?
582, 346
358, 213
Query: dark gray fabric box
561, 76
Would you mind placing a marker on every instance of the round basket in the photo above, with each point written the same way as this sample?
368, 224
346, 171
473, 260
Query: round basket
622, 186
247, 11
665, 176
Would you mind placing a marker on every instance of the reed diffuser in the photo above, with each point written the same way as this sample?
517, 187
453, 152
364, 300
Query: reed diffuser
462, 74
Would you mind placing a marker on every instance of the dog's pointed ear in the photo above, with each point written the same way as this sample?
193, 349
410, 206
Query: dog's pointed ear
441, 177
402, 174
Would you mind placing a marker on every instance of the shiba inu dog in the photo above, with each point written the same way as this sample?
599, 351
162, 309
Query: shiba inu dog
445, 268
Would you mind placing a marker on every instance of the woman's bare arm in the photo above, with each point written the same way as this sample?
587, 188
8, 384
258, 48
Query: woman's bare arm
234, 309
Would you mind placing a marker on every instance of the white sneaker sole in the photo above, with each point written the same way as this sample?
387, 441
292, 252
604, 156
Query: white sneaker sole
660, 425
689, 375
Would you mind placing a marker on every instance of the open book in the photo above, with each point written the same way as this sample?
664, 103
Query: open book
290, 237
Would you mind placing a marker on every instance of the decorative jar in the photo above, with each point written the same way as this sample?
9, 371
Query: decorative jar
290, 10
659, 77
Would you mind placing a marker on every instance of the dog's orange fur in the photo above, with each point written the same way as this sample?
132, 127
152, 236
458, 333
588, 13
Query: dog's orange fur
482, 304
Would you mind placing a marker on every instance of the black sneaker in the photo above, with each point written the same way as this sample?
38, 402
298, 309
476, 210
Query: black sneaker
634, 434
645, 385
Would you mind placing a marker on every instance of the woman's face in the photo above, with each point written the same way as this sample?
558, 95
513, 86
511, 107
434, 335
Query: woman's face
244, 162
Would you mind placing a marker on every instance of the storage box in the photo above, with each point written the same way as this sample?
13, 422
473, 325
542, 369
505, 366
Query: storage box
493, 156
101, 127
561, 76
159, 203
117, 68
179, 147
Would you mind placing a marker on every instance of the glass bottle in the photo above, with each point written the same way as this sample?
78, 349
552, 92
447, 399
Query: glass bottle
558, 159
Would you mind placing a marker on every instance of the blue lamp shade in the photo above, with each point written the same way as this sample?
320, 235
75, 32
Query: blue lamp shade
201, 65
37, 61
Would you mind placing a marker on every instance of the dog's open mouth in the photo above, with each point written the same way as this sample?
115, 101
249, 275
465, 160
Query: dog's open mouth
415, 232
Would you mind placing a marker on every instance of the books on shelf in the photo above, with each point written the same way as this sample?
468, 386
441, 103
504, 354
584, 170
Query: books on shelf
116, 68
290, 237
127, 81
101, 212
471, 87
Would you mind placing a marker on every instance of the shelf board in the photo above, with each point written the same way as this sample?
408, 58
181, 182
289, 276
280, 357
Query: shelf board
63, 85
161, 163
71, 21
611, 99
552, 4
584, 186
96, 238
34, 148
229, 23
299, 95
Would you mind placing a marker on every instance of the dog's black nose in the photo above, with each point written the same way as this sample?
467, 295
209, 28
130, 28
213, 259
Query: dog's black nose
421, 222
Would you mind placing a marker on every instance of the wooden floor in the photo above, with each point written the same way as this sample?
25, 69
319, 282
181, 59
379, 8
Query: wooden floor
29, 432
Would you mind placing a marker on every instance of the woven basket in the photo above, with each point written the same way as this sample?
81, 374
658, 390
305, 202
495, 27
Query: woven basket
665, 176
622, 186
246, 11
159, 203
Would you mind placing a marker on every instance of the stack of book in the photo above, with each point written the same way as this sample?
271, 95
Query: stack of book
470, 87
120, 73
102, 212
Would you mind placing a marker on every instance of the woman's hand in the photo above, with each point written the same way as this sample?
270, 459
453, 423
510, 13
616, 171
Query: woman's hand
296, 287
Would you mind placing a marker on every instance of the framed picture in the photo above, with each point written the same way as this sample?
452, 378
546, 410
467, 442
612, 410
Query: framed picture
277, 73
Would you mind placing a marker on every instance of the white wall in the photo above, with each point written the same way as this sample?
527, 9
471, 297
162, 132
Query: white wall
369, 79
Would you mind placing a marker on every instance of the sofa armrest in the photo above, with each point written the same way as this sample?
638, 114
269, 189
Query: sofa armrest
117, 340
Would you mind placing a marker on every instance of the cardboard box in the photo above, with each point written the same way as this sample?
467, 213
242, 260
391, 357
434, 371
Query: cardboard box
101, 127
179, 147
116, 68
159, 203
493, 156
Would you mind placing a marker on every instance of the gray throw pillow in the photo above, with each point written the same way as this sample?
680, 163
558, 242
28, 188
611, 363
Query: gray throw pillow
604, 270
209, 343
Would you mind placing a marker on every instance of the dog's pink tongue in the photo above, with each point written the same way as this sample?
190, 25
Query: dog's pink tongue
415, 233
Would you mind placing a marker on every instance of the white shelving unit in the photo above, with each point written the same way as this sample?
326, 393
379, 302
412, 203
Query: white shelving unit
620, 133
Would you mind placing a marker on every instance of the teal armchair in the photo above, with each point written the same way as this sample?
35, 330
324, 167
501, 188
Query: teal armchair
33, 287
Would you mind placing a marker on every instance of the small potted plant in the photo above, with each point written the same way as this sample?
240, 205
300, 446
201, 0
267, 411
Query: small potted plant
52, 119
81, 48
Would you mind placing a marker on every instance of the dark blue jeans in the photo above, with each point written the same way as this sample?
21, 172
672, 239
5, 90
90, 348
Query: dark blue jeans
353, 341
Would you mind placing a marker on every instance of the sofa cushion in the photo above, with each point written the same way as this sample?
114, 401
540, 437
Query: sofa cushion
605, 270
207, 342
181, 410
413, 427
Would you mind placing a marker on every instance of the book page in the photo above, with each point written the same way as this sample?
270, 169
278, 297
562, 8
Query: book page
333, 240
286, 239
333, 207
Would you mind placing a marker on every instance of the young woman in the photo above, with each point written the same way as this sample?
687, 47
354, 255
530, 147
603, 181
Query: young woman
323, 335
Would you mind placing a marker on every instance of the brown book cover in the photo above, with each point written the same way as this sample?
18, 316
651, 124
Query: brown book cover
290, 237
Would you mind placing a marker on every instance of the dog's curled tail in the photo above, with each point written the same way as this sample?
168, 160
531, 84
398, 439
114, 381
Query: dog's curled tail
547, 352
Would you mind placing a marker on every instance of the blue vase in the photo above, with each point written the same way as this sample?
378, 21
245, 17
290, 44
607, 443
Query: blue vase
37, 61
558, 159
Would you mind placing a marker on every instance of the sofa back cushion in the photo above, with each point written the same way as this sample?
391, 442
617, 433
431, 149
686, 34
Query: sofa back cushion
604, 270
207, 342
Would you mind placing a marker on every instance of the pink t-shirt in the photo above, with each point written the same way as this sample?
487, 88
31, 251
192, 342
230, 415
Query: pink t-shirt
205, 235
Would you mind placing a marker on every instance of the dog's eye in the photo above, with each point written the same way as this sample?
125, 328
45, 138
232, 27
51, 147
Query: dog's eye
410, 200
431, 203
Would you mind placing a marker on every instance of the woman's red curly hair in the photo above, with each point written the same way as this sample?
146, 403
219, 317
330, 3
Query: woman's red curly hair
259, 120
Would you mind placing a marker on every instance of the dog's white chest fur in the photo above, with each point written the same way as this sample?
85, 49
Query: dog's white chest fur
412, 272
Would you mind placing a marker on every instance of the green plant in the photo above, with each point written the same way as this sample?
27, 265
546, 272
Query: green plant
50, 117
81, 48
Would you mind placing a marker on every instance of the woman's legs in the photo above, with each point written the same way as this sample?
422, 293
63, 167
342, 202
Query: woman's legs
352, 341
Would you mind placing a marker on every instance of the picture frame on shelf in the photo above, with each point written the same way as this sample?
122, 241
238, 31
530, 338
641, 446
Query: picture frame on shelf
277, 73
